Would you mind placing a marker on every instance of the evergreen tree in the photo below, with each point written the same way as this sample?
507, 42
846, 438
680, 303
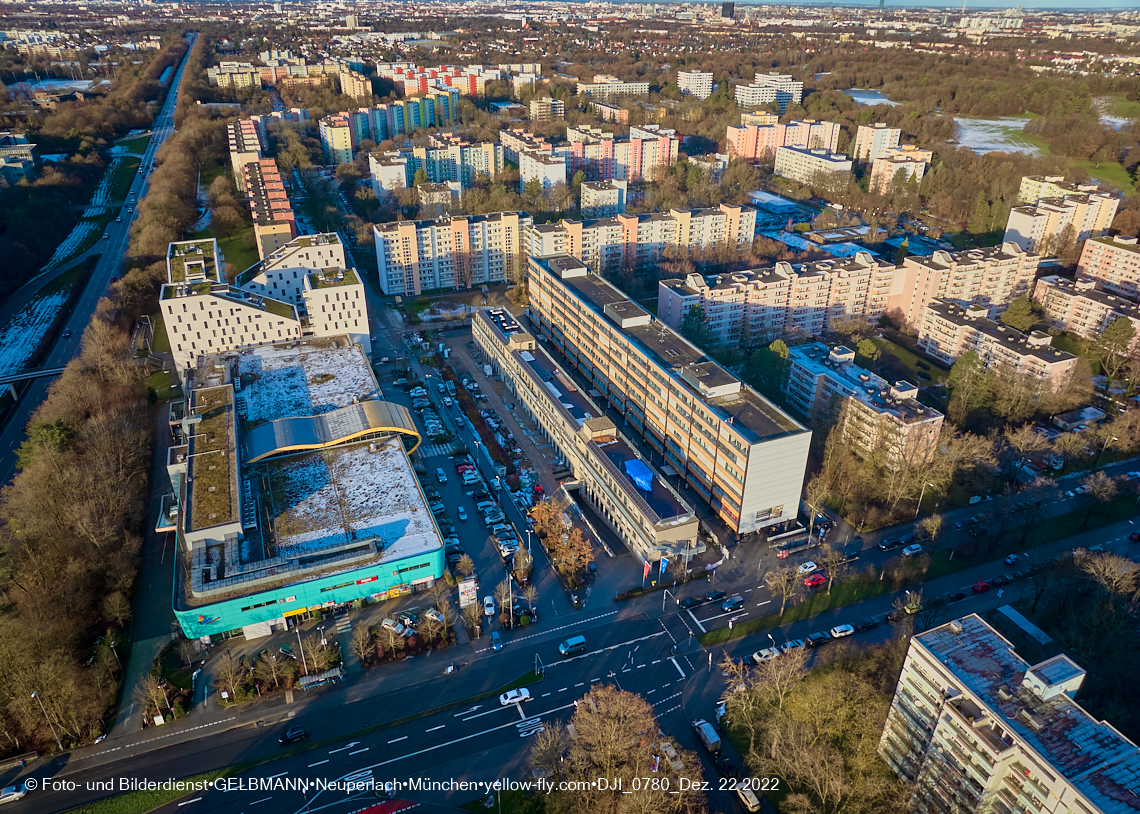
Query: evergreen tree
980, 215
696, 329
1023, 314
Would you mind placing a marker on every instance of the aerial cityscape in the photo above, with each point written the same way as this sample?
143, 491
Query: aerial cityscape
569, 407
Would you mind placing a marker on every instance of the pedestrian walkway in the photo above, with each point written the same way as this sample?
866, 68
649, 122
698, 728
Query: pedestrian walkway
435, 450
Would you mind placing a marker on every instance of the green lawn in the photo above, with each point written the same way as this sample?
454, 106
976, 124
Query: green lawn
159, 381
161, 342
123, 177
136, 145
210, 172
1120, 106
139, 802
1111, 173
233, 248
911, 360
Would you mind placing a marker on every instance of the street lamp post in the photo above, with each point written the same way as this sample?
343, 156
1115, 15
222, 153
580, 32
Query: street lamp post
667, 593
297, 628
43, 709
922, 494
1107, 441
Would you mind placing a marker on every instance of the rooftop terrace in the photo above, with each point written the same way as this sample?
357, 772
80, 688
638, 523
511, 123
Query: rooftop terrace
193, 261
211, 455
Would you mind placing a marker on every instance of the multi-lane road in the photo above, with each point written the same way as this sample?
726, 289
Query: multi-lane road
111, 262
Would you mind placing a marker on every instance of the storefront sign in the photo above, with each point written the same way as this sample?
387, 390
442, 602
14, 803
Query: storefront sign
366, 580
468, 592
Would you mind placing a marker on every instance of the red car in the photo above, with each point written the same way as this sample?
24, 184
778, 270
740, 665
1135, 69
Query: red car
981, 587
1134, 537
815, 580
464, 468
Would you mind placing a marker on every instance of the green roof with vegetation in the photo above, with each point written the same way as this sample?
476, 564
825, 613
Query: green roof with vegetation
307, 241
278, 308
333, 278
192, 250
211, 491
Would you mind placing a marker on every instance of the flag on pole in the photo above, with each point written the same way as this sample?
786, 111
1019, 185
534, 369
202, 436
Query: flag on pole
645, 573
664, 564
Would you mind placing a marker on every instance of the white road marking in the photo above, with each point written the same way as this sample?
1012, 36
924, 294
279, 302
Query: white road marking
188, 802
435, 728
607, 649
397, 740
358, 751
655, 661
543, 695
580, 684
473, 717
564, 689
277, 775
343, 748
319, 763
678, 666
762, 604
698, 621
262, 800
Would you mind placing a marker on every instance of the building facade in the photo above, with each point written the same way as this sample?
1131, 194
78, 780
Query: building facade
873, 140
697, 83
603, 199
885, 172
760, 142
646, 513
638, 241
948, 330
1078, 307
1051, 223
770, 88
1112, 263
274, 223
247, 145
547, 109
448, 158
1036, 188
806, 165
974, 727
873, 416
735, 449
610, 87
337, 138
611, 113
451, 252
543, 168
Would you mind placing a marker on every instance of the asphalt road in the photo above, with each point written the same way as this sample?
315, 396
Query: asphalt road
111, 262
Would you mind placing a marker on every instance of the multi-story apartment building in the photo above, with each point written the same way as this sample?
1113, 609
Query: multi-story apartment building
611, 113
734, 448
1078, 307
759, 305
698, 83
975, 727
768, 88
806, 165
203, 315
635, 158
389, 172
603, 199
760, 142
281, 275
274, 223
517, 141
547, 109
337, 138
234, 75
610, 87
633, 499
873, 140
451, 253
759, 119
449, 158
1036, 188
873, 415
1112, 263
1051, 222
948, 330
989, 277
247, 145
355, 84
637, 241
545, 169
885, 171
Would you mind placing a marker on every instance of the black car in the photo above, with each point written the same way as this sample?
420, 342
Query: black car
1001, 579
453, 559
891, 543
453, 548
724, 767
293, 734
715, 596
869, 623
817, 639
732, 603
690, 602
958, 596
852, 554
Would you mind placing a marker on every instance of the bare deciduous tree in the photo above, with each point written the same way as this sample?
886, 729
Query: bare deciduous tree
786, 582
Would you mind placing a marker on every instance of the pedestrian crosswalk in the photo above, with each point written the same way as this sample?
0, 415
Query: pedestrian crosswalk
435, 450
343, 624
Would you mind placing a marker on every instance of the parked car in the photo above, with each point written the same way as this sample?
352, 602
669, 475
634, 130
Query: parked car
767, 654
724, 767
1011, 559
489, 605
816, 639
440, 475
293, 734
912, 551
1001, 579
981, 586
957, 596
890, 543
690, 602
815, 580
496, 640
732, 603
714, 596
839, 631
514, 696
394, 626
868, 623
807, 567
791, 644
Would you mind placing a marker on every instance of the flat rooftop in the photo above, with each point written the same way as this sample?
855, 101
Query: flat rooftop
1118, 304
1099, 761
1006, 336
751, 413
304, 378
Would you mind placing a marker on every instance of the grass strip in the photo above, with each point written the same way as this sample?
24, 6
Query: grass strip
139, 802
850, 591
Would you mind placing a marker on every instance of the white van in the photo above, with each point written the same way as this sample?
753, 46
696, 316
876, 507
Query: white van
575, 644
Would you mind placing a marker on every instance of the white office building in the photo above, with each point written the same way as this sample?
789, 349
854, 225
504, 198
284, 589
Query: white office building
804, 165
770, 88
697, 83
